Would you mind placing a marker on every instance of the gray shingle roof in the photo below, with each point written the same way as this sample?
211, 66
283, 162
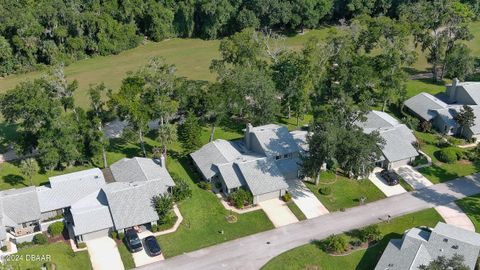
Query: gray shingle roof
131, 203
425, 105
419, 247
300, 137
66, 189
262, 176
231, 175
140, 169
472, 89
91, 214
398, 137
20, 205
274, 140
215, 152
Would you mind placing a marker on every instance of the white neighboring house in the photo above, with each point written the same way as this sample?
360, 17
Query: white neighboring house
441, 109
92, 205
398, 149
262, 162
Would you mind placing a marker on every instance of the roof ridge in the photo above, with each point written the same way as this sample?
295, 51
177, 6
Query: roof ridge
141, 168
416, 255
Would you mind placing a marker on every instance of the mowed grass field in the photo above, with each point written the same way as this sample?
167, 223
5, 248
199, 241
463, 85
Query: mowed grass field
192, 58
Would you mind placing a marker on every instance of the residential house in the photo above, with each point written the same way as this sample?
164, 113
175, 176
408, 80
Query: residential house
398, 149
92, 206
262, 162
441, 109
420, 246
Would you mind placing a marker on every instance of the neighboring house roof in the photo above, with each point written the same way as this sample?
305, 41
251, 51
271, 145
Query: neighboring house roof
274, 140
20, 205
91, 214
140, 169
420, 246
424, 105
215, 152
64, 190
131, 203
262, 176
398, 137
472, 89
300, 137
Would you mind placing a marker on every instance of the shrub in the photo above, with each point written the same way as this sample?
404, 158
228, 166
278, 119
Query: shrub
24, 244
472, 140
56, 228
40, 239
335, 243
411, 122
240, 198
181, 190
447, 155
425, 126
325, 190
370, 233
121, 236
163, 205
287, 197
81, 245
205, 185
154, 228
4, 248
114, 234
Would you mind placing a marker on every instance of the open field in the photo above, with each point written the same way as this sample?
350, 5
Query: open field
192, 58
310, 256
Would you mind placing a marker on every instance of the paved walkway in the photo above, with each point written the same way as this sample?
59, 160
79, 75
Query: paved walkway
413, 177
278, 212
378, 181
142, 258
308, 203
252, 252
452, 214
104, 254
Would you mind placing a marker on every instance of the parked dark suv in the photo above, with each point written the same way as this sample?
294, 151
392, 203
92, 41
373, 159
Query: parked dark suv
390, 176
152, 246
134, 243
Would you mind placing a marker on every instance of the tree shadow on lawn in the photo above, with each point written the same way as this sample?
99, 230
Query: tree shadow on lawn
14, 179
440, 173
187, 163
130, 150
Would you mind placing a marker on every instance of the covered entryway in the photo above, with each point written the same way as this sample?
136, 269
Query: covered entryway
104, 254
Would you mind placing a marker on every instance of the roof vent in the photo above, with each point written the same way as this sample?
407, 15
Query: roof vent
445, 240
455, 246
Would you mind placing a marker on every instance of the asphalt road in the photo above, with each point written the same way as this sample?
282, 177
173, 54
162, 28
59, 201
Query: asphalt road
252, 252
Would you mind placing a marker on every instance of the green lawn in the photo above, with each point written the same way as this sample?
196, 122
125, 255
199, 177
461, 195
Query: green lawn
311, 257
346, 192
415, 87
296, 211
471, 206
126, 256
60, 253
440, 172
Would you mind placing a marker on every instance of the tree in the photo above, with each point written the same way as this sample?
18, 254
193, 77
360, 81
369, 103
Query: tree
459, 63
437, 26
215, 107
166, 135
465, 118
163, 205
370, 233
190, 133
97, 106
129, 104
29, 167
456, 262
181, 190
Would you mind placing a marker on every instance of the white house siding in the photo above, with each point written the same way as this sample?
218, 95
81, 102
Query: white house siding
399, 163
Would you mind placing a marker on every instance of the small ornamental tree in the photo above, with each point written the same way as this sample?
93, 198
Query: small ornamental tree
370, 234
335, 243
181, 190
163, 204
465, 118
40, 239
456, 262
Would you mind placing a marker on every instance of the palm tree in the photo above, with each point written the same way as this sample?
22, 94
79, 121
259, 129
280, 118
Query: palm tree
167, 134
29, 167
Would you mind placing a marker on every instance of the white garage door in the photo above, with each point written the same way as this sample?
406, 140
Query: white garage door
267, 196
94, 235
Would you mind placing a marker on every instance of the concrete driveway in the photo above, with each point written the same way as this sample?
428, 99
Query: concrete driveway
142, 258
453, 215
413, 177
306, 200
104, 254
278, 212
378, 181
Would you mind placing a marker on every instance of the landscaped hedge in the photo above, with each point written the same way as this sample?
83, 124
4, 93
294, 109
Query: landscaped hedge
56, 228
447, 155
40, 239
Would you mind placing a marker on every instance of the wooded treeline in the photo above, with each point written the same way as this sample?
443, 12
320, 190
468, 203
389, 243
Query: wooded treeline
49, 32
